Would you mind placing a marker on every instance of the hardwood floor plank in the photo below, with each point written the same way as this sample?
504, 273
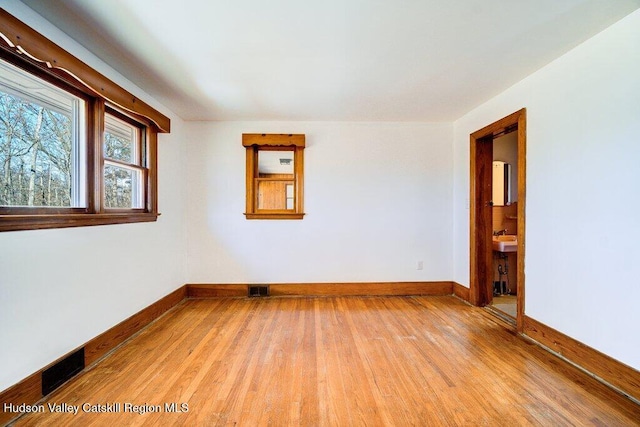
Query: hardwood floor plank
335, 361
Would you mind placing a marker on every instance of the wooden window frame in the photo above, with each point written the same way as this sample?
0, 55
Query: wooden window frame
141, 160
254, 143
27, 49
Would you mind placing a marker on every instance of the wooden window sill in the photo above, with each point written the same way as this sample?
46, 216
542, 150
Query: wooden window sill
43, 221
274, 215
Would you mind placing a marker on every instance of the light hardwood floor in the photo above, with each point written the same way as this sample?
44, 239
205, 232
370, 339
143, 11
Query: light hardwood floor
336, 361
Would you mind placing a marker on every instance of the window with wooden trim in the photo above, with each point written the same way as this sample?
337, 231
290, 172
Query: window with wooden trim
75, 148
124, 171
275, 176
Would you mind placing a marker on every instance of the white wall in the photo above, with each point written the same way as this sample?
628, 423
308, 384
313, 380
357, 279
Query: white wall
60, 288
583, 202
377, 198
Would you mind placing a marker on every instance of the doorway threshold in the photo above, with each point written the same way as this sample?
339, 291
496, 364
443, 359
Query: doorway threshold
501, 315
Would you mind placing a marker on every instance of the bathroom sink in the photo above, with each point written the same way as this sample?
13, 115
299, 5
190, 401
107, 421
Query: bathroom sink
506, 243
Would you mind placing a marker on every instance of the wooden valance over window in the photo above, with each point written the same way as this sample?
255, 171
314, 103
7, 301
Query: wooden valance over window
21, 40
273, 140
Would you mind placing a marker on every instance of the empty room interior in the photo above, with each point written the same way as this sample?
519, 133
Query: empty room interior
319, 213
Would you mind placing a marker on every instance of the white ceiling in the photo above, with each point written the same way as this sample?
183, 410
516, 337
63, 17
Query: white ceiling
338, 60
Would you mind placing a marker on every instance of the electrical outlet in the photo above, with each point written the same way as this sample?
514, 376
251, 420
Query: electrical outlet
420, 265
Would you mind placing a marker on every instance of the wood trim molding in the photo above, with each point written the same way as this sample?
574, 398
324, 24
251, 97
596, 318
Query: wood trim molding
611, 371
212, 290
44, 221
273, 139
479, 239
480, 226
202, 290
461, 291
360, 289
500, 125
29, 390
113, 337
21, 40
274, 215
521, 215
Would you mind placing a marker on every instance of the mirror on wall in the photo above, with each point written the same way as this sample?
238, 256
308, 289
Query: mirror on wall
505, 169
275, 181
275, 175
501, 183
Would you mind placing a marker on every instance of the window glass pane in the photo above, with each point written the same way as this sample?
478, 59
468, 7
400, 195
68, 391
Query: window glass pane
120, 140
122, 187
41, 143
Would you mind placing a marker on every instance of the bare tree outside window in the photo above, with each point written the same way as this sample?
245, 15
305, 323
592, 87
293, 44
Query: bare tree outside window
122, 170
35, 154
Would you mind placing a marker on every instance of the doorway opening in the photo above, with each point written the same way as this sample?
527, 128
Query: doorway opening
497, 223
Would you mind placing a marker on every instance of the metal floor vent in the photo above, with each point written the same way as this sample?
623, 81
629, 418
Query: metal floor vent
258, 291
56, 375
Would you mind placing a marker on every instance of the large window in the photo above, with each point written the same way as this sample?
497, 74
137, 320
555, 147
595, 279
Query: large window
75, 149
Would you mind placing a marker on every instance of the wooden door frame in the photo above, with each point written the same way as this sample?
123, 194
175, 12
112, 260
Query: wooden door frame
480, 232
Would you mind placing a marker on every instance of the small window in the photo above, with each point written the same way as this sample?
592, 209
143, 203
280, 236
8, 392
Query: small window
124, 173
275, 176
